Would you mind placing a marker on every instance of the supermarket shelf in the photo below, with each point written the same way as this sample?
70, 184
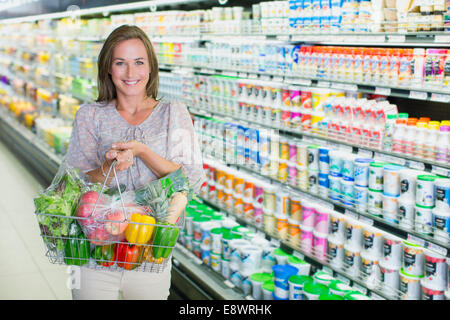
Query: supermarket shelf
203, 282
424, 240
411, 162
308, 257
420, 93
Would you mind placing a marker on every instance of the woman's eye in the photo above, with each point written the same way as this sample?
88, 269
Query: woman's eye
119, 63
139, 62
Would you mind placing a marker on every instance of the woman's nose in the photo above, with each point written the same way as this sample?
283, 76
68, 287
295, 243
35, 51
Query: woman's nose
130, 71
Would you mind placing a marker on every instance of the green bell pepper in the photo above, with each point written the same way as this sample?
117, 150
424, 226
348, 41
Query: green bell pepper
165, 236
105, 255
76, 248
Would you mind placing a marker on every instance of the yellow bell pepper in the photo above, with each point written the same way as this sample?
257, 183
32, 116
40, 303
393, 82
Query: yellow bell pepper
140, 228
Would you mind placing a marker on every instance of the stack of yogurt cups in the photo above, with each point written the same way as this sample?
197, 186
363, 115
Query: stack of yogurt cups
390, 264
441, 212
371, 255
425, 203
435, 280
391, 192
353, 245
406, 200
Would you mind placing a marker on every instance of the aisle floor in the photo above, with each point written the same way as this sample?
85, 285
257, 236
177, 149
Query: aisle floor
25, 272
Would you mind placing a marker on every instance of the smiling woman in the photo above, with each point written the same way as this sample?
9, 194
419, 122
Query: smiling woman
149, 139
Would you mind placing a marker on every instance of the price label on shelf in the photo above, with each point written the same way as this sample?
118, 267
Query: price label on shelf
439, 97
434, 247
323, 84
375, 296
343, 279
416, 240
442, 38
283, 38
251, 76
389, 158
352, 214
396, 38
344, 86
360, 288
421, 95
415, 165
383, 91
440, 171
300, 82
277, 79
365, 153
327, 270
229, 284
366, 220
299, 255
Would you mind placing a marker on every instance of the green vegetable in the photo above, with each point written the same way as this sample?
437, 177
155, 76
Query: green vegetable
76, 248
165, 236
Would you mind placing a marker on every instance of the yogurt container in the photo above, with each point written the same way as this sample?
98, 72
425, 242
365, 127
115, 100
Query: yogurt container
392, 251
306, 238
268, 258
376, 176
320, 245
336, 163
215, 261
370, 269
335, 252
410, 288
390, 204
313, 290
348, 169
361, 197
330, 297
406, 213
390, 279
391, 180
356, 295
337, 226
431, 292
441, 224
423, 219
373, 241
347, 193
323, 278
354, 234
413, 259
324, 160
339, 288
408, 183
375, 203
282, 274
225, 268
268, 288
361, 171
302, 266
251, 256
235, 275
281, 256
205, 255
296, 285
352, 260
335, 188
425, 190
321, 222
442, 193
257, 280
308, 215
436, 270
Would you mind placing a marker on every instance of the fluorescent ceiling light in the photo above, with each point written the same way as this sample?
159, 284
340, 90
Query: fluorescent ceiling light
102, 10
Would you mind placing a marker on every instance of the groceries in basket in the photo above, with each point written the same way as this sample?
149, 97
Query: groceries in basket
96, 226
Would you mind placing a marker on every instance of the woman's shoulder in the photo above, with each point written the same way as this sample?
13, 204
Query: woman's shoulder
90, 109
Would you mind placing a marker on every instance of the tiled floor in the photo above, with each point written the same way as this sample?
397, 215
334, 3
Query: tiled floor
25, 272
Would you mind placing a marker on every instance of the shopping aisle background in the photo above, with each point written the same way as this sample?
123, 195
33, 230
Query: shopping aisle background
25, 272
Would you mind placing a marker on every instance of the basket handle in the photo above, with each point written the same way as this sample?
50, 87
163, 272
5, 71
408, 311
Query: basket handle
113, 168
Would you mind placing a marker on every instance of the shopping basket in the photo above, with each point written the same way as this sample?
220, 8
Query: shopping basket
135, 242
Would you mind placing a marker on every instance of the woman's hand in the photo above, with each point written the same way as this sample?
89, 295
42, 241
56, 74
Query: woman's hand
124, 153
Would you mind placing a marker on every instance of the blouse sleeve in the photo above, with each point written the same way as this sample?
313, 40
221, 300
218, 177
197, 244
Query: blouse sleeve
182, 145
82, 151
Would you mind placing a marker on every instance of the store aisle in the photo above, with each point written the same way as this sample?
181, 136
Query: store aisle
25, 272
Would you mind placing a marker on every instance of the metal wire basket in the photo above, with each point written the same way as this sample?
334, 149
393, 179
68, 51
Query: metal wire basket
114, 244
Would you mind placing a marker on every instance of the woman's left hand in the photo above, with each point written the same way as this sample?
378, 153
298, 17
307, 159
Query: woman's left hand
126, 151
134, 146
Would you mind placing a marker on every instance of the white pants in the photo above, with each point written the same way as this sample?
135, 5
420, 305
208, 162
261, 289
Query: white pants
128, 285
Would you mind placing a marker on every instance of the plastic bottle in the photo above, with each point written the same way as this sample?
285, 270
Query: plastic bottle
399, 133
375, 66
410, 134
367, 65
417, 67
350, 64
430, 142
442, 144
389, 128
358, 65
421, 136
384, 67
404, 72
394, 66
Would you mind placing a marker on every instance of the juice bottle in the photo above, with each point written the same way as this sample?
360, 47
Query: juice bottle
358, 65
420, 139
405, 68
398, 144
417, 67
394, 66
375, 66
410, 134
367, 60
389, 128
442, 143
350, 64
384, 66
430, 142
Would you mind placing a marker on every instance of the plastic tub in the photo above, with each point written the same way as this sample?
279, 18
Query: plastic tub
339, 288
441, 224
370, 269
257, 280
280, 256
268, 288
296, 285
353, 234
282, 274
302, 266
330, 297
361, 171
392, 251
322, 219
413, 259
306, 239
435, 270
425, 190
313, 290
215, 261
376, 176
409, 286
235, 250
390, 279
337, 226
356, 295
431, 292
323, 278
373, 241
352, 260
335, 252
320, 245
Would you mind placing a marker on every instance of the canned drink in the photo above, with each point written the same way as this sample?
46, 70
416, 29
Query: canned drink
425, 195
391, 180
313, 157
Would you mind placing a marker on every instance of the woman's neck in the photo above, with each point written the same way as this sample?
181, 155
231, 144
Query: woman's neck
135, 104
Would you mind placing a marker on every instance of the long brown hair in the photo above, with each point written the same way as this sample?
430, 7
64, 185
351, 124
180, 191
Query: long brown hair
106, 89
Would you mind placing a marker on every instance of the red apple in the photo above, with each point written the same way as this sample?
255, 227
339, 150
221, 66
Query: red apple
90, 197
116, 222
99, 236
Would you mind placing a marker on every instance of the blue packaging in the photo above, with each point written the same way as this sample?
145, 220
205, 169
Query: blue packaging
324, 180
324, 160
348, 169
361, 171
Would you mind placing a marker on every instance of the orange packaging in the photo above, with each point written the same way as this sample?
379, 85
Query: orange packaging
238, 207
294, 232
296, 209
282, 226
220, 197
282, 170
248, 211
249, 190
238, 186
229, 178
228, 201
220, 177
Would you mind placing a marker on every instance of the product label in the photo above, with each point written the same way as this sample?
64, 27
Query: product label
409, 260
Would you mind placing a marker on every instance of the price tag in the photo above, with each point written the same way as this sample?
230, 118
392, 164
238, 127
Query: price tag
375, 296
229, 284
366, 220
360, 288
264, 77
204, 70
383, 91
440, 171
392, 159
352, 214
298, 255
327, 270
252, 76
229, 73
438, 249
365, 153
421, 95
345, 86
346, 148
442, 38
343, 279
325, 204
440, 97
277, 79
396, 38
323, 84
276, 242
415, 165
416, 240
283, 38
377, 39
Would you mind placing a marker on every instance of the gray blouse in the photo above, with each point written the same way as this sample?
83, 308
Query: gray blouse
168, 131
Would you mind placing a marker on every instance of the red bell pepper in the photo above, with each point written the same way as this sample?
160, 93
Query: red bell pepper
128, 256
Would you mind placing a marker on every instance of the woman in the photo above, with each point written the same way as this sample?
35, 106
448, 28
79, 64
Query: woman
149, 138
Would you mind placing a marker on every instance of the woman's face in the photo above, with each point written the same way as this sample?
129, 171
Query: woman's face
130, 70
